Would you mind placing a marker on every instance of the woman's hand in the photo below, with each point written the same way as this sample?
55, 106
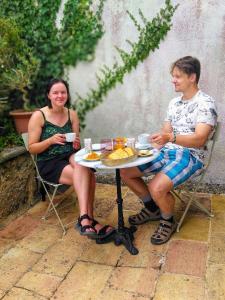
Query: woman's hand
76, 143
57, 138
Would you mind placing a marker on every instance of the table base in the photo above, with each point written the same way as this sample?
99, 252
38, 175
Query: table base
122, 235
126, 238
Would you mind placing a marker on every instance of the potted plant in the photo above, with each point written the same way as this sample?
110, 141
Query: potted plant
18, 68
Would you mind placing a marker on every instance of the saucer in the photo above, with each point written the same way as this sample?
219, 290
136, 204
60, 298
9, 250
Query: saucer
143, 146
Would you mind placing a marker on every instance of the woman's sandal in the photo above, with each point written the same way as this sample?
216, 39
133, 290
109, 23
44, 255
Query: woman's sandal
144, 216
163, 233
103, 232
83, 228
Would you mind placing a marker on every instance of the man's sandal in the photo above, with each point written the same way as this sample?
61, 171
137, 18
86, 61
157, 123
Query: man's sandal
163, 233
144, 216
83, 229
103, 232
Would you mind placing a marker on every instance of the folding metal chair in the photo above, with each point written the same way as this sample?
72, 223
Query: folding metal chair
47, 187
192, 198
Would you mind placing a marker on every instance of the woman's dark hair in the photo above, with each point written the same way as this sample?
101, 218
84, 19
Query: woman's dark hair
49, 86
189, 65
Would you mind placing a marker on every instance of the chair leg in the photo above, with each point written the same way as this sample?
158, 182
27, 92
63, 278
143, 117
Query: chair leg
43, 193
184, 215
202, 208
192, 200
51, 204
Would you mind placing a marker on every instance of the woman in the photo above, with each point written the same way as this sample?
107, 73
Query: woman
55, 157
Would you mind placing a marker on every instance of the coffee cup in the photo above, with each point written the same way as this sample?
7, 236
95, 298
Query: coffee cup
144, 138
70, 137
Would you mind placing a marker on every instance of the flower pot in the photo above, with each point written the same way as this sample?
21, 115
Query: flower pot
21, 119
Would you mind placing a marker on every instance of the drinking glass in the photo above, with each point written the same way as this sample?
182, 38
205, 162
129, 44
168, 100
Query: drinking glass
88, 145
119, 143
131, 142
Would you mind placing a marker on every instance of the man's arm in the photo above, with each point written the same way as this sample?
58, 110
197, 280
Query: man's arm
195, 140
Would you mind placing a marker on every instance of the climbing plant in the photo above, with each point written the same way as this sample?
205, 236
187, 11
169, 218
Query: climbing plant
55, 48
81, 29
150, 35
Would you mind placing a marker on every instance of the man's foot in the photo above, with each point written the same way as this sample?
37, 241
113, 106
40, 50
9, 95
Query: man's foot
144, 216
164, 232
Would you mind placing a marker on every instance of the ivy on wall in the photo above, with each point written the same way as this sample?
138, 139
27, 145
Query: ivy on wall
149, 39
55, 48
81, 30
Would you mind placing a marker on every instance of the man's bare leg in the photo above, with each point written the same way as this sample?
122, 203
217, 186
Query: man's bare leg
160, 187
132, 177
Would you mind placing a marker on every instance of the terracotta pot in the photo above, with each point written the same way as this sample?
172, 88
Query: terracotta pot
21, 119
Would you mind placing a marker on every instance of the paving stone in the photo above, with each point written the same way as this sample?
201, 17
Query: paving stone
203, 198
42, 284
218, 203
5, 245
42, 238
113, 294
149, 255
105, 199
107, 254
85, 281
38, 210
2, 293
59, 259
179, 287
13, 264
216, 248
134, 280
131, 202
186, 257
21, 294
194, 228
218, 223
215, 279
19, 228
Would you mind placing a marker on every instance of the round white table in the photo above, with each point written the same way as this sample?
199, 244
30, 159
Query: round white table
123, 234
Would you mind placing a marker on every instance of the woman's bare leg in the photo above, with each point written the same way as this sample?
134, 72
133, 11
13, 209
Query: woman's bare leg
80, 178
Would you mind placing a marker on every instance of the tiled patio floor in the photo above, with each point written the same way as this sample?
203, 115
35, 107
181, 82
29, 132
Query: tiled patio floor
37, 263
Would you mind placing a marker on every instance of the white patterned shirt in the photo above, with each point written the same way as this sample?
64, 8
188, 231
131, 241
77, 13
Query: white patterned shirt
184, 115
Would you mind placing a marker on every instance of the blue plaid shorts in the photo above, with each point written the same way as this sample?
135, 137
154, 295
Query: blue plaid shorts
178, 164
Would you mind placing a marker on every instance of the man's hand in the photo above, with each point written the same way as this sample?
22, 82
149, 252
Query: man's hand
160, 139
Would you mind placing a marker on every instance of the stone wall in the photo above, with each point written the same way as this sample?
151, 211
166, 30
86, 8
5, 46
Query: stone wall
17, 180
139, 104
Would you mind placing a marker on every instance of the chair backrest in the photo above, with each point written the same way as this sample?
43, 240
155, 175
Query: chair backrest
25, 141
212, 140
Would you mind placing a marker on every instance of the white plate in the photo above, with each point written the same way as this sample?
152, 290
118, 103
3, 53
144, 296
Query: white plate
144, 153
143, 146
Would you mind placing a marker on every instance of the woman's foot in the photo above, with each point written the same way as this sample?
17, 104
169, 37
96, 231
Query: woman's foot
85, 227
102, 231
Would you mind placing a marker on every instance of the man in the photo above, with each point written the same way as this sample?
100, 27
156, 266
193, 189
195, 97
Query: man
190, 120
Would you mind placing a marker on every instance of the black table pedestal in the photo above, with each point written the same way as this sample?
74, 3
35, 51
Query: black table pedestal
123, 234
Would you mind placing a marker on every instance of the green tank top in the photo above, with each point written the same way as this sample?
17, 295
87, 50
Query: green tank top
49, 130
